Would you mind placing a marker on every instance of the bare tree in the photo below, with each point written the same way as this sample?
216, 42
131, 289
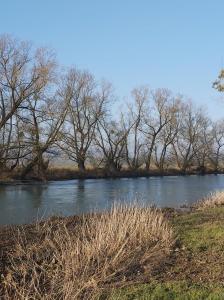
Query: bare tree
11, 148
43, 114
44, 118
24, 72
202, 145
187, 142
155, 119
215, 147
168, 134
86, 106
111, 140
134, 142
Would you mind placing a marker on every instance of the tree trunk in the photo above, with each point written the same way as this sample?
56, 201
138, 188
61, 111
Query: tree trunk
184, 168
147, 164
29, 168
81, 165
37, 161
149, 157
41, 173
111, 167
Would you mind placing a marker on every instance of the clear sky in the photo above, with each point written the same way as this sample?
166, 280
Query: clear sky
173, 44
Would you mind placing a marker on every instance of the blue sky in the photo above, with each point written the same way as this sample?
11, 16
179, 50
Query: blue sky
173, 44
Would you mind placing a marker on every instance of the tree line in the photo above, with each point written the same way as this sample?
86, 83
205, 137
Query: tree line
48, 113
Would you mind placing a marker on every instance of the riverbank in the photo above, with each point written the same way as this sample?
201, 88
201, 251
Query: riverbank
195, 268
65, 174
57, 174
181, 258
76, 258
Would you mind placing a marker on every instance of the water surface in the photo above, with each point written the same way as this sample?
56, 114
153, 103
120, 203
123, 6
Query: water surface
26, 203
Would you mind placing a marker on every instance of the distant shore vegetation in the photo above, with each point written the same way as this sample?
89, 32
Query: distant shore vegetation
49, 113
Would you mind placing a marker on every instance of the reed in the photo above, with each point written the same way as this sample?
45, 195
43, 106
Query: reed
76, 262
212, 200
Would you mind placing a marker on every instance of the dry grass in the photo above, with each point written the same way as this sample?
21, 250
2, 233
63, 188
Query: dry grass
212, 200
75, 262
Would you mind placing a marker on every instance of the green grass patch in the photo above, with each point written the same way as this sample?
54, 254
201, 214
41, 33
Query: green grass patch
168, 291
201, 230
198, 268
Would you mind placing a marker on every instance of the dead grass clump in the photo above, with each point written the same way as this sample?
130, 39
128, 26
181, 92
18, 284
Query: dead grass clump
74, 263
212, 200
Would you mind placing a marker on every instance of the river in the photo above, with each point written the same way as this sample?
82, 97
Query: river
25, 203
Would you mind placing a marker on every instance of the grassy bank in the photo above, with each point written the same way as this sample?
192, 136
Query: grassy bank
128, 253
195, 269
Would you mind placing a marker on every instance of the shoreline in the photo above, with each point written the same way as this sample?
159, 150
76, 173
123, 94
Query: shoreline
180, 266
63, 175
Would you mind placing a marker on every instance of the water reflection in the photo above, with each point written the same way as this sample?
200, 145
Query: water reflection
23, 203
